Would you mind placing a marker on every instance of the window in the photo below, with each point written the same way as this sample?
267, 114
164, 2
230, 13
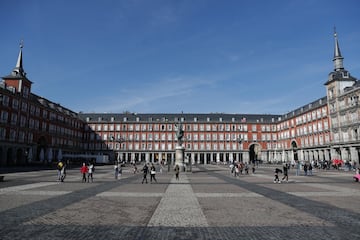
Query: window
13, 118
15, 103
4, 116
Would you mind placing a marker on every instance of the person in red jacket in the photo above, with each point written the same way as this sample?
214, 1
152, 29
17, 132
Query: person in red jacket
84, 169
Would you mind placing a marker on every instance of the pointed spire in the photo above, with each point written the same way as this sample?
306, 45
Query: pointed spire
19, 61
338, 59
18, 71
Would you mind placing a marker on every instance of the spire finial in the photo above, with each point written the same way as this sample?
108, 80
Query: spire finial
21, 43
338, 59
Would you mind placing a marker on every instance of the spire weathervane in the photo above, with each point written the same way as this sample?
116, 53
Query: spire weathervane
338, 59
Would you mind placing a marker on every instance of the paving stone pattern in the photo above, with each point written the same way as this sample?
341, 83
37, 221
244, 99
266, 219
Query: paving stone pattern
209, 203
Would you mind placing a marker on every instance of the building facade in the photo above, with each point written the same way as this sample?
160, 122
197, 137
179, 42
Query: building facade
343, 91
34, 129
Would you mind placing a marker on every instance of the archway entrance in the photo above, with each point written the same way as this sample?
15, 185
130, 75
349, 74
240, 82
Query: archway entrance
294, 148
41, 147
254, 151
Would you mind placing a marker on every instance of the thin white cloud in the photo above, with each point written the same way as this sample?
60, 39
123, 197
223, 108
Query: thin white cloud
146, 94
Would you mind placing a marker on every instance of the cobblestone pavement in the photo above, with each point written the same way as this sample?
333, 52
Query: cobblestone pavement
206, 204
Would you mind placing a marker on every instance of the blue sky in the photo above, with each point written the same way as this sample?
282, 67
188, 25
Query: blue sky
195, 56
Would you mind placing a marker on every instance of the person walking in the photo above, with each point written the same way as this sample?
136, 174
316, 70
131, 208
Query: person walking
145, 170
84, 169
63, 173
285, 172
120, 171
177, 171
298, 168
310, 169
135, 169
90, 172
152, 173
276, 179
59, 168
305, 169
253, 168
116, 171
237, 170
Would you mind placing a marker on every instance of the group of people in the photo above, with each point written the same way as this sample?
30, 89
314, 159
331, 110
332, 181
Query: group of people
284, 171
307, 167
238, 168
87, 172
152, 170
146, 169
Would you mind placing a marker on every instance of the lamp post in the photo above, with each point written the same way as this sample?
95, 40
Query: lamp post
189, 160
120, 141
240, 141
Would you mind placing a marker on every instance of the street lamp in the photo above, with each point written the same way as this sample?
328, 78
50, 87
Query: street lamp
118, 140
240, 141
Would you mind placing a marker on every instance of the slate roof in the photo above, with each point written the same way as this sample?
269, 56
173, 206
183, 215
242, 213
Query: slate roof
175, 117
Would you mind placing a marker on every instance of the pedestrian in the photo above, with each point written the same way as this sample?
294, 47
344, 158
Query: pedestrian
116, 171
135, 168
246, 168
237, 170
277, 171
59, 168
152, 173
90, 172
305, 169
120, 170
145, 170
241, 168
285, 172
310, 169
161, 167
84, 169
177, 171
253, 168
297, 168
63, 173
232, 169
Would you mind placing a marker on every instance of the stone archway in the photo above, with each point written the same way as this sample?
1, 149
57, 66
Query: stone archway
41, 146
294, 149
254, 152
9, 157
2, 154
20, 159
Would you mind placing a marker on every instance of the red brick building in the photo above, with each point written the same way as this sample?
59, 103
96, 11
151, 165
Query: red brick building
34, 129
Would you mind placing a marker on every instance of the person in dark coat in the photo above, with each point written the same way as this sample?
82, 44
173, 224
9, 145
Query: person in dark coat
145, 171
285, 172
277, 171
152, 173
